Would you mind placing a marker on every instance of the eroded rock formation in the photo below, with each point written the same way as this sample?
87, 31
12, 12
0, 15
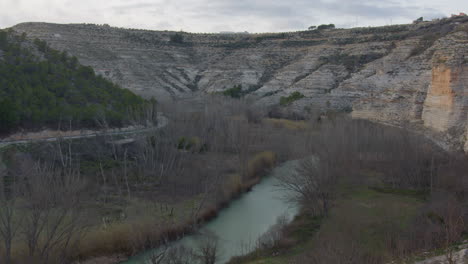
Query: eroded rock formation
413, 74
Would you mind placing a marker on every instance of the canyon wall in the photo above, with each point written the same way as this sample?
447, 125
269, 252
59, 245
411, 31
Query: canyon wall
416, 75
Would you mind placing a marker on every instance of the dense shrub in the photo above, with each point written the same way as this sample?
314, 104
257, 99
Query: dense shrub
324, 26
177, 38
234, 92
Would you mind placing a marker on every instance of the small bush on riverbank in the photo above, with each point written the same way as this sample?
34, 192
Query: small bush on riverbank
260, 163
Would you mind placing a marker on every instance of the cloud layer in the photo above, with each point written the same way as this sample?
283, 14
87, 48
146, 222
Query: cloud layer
225, 15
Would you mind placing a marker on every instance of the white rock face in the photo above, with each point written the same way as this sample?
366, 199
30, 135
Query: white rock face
388, 74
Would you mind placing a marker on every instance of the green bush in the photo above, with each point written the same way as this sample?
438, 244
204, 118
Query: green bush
177, 38
234, 92
324, 26
291, 98
185, 143
8, 115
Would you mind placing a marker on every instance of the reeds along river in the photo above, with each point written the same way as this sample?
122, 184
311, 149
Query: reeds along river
238, 226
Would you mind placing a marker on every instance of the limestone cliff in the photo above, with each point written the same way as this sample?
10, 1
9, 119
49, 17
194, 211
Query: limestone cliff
416, 73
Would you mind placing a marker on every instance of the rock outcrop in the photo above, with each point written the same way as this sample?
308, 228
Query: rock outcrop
413, 74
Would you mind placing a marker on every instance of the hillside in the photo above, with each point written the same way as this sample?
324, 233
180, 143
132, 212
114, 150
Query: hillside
393, 74
43, 87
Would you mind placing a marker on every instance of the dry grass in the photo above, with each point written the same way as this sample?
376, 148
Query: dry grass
233, 185
130, 238
100, 242
286, 123
260, 163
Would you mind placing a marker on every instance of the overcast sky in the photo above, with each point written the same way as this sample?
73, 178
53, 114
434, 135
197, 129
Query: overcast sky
226, 15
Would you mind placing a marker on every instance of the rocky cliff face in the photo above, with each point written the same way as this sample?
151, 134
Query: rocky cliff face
414, 74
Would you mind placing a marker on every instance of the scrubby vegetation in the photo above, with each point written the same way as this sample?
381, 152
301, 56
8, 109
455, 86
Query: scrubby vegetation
351, 62
302, 43
237, 92
234, 92
425, 42
40, 87
385, 29
291, 98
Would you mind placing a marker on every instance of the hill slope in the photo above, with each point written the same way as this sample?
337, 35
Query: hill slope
40, 86
393, 74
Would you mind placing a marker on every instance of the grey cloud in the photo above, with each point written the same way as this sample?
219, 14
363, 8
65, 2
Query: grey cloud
243, 7
131, 8
235, 15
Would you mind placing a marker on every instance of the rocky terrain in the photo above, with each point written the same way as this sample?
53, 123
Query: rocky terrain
415, 75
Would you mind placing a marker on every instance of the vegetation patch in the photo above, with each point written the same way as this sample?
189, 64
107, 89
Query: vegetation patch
351, 62
261, 163
325, 26
263, 37
237, 92
291, 98
425, 42
236, 45
177, 38
234, 92
302, 43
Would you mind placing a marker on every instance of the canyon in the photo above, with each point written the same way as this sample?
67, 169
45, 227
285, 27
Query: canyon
412, 75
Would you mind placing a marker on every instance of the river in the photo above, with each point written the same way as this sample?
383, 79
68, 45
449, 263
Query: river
238, 226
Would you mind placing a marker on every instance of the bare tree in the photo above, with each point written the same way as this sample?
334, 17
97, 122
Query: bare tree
240, 139
447, 215
10, 220
208, 251
274, 234
53, 222
173, 255
313, 184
